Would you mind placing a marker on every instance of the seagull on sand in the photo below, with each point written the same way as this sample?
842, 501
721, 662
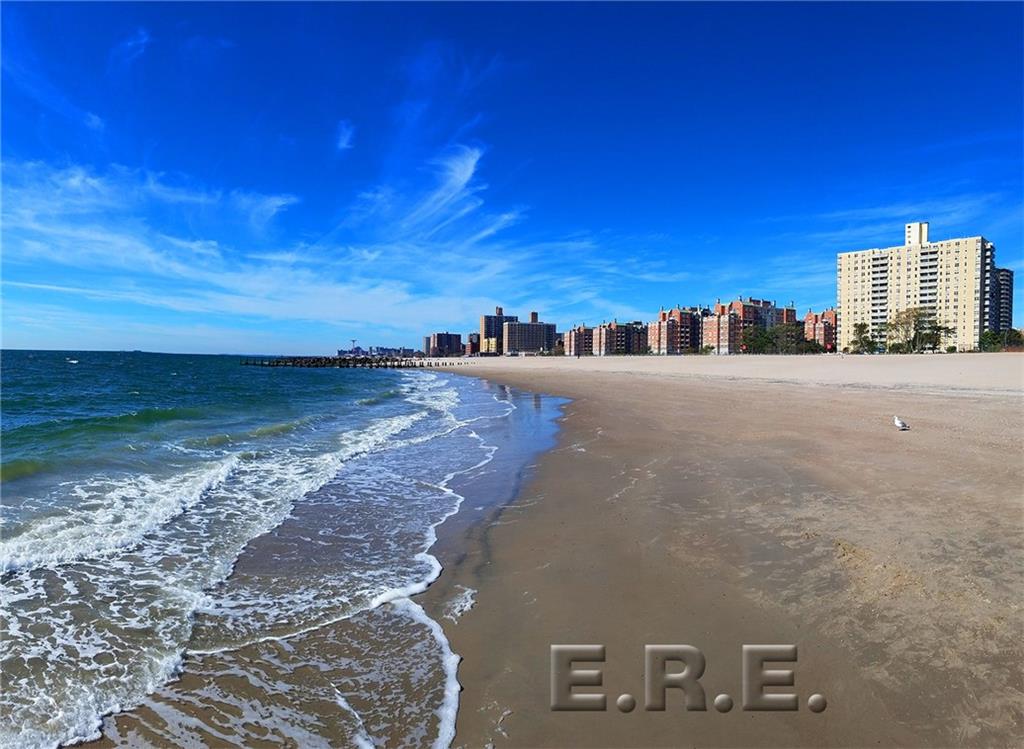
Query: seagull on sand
900, 424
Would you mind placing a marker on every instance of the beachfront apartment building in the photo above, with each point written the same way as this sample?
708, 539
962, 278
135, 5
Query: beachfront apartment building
533, 337
579, 341
721, 332
722, 327
686, 331
443, 344
690, 321
1004, 298
663, 335
758, 313
956, 279
821, 327
620, 338
492, 331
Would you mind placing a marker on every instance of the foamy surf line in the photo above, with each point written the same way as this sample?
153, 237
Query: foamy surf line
419, 443
401, 600
399, 593
49, 553
123, 521
449, 709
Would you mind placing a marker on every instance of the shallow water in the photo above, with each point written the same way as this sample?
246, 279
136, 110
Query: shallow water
228, 551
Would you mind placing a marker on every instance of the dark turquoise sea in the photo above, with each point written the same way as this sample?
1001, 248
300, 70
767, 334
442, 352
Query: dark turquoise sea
182, 536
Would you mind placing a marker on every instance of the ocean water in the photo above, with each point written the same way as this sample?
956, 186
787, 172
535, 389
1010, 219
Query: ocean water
197, 552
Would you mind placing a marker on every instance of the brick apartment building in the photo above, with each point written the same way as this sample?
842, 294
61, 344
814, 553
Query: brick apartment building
531, 337
722, 331
620, 338
685, 324
443, 344
690, 322
663, 335
821, 327
758, 312
579, 341
472, 344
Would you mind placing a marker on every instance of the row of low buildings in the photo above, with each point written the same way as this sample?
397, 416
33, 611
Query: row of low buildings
956, 280
395, 352
685, 330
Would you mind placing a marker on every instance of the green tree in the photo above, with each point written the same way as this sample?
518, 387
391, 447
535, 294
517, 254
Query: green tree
928, 332
863, 343
990, 341
778, 339
915, 329
788, 337
756, 340
899, 331
809, 347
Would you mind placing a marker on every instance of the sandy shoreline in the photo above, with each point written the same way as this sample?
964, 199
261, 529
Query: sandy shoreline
704, 503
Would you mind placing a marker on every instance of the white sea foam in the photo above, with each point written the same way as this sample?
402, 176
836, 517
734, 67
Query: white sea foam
244, 499
361, 739
449, 708
111, 514
460, 603
174, 576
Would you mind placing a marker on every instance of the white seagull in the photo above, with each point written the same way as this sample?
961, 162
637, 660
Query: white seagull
900, 424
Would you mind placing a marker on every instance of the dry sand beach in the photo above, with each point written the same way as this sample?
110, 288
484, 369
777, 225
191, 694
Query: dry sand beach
722, 501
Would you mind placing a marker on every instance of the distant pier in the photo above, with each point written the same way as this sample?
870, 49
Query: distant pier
347, 362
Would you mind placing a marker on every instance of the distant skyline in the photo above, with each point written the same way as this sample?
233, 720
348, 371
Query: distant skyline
283, 178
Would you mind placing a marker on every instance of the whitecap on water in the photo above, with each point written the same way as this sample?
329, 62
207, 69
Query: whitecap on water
252, 566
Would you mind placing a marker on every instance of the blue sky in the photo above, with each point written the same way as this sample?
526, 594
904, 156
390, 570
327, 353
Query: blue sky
283, 178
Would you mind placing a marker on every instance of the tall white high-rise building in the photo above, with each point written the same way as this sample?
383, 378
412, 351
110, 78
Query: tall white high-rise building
954, 278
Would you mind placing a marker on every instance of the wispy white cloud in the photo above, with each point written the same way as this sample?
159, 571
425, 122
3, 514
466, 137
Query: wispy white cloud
262, 208
455, 195
951, 207
94, 122
345, 136
101, 227
436, 253
881, 225
284, 257
432, 249
440, 80
128, 50
160, 188
25, 72
205, 247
